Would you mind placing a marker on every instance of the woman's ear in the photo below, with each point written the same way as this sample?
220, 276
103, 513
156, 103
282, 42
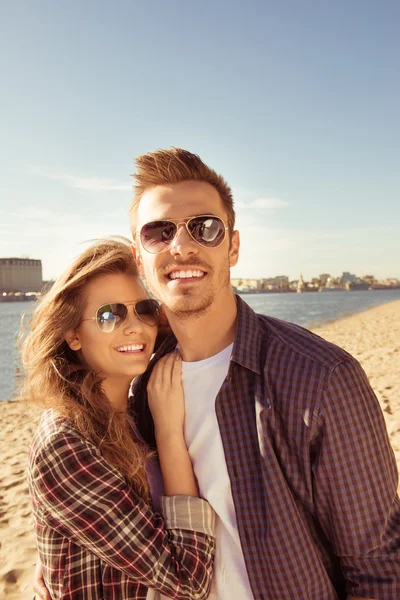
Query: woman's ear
72, 339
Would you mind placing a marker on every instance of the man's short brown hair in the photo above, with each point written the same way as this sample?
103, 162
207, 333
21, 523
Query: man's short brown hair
176, 165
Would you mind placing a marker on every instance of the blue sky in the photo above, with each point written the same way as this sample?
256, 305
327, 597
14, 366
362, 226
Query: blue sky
295, 102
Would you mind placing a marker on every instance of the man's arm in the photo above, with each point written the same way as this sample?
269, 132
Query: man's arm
356, 480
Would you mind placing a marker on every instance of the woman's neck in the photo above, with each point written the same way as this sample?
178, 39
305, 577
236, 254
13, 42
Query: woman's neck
117, 391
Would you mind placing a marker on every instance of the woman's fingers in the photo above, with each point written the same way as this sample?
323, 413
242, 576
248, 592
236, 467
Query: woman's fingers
176, 374
170, 367
165, 394
162, 372
155, 379
39, 586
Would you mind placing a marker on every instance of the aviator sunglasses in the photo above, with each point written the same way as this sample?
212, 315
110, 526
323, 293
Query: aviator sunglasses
110, 317
206, 230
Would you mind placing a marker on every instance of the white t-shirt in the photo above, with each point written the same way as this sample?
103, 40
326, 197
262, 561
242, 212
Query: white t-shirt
202, 381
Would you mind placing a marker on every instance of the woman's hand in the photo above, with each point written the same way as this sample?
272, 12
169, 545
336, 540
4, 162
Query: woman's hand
39, 587
165, 396
167, 405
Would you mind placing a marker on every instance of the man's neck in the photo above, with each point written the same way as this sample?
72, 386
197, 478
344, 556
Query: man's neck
200, 337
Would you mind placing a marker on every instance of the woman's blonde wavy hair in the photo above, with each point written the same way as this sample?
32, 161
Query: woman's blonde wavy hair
54, 376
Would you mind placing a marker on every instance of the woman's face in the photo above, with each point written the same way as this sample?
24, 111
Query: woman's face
125, 351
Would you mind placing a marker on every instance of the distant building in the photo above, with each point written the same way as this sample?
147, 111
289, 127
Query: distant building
324, 278
245, 285
392, 281
274, 283
281, 280
330, 283
20, 275
369, 279
358, 284
300, 284
347, 277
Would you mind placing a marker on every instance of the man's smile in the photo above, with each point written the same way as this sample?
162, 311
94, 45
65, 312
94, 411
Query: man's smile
186, 274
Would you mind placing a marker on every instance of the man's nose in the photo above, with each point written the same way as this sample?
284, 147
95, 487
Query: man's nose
183, 244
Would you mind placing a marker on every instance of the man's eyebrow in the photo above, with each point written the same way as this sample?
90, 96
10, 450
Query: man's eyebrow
199, 214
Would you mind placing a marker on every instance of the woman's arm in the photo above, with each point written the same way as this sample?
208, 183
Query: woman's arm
87, 501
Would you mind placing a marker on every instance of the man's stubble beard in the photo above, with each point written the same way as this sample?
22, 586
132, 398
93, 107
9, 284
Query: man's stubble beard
192, 306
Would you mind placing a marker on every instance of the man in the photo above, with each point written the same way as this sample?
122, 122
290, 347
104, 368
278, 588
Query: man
285, 434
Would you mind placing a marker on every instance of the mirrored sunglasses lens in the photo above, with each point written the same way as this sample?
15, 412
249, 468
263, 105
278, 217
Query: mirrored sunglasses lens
208, 231
157, 235
148, 311
111, 316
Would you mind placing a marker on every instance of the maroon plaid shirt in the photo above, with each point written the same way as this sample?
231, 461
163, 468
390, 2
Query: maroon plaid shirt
96, 537
312, 472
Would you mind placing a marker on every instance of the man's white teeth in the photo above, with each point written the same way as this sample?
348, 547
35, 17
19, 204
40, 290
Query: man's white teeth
130, 348
185, 274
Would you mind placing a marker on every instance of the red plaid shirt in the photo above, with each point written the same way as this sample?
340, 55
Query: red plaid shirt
97, 539
313, 475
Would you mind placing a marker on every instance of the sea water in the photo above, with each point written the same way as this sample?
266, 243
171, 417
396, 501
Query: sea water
308, 309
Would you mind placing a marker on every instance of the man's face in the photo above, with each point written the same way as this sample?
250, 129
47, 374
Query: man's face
208, 268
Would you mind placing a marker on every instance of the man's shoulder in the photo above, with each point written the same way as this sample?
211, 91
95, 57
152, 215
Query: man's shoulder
284, 337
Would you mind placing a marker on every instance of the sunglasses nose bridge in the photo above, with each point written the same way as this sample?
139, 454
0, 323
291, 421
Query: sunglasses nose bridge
180, 225
132, 321
182, 236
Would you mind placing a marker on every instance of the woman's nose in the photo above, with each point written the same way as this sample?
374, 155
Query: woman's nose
132, 322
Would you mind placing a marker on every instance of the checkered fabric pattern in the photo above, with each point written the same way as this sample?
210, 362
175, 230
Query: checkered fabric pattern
98, 540
313, 475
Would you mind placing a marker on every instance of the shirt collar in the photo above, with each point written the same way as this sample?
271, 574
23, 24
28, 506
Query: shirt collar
247, 347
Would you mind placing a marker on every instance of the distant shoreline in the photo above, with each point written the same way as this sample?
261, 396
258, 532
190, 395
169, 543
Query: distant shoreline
23, 298
324, 290
373, 288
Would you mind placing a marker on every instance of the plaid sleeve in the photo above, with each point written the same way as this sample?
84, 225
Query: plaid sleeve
188, 512
83, 498
355, 485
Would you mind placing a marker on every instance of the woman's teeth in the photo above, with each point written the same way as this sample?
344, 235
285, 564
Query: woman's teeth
131, 348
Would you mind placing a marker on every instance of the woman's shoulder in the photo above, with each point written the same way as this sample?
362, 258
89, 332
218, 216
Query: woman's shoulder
52, 422
54, 428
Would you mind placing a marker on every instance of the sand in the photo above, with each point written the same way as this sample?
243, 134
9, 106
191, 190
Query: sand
373, 337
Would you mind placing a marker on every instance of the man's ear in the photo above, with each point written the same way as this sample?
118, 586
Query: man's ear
234, 249
73, 340
138, 260
164, 329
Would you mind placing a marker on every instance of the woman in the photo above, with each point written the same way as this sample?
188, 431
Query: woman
97, 535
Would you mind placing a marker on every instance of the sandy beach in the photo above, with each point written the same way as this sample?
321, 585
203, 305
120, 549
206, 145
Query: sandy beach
373, 337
